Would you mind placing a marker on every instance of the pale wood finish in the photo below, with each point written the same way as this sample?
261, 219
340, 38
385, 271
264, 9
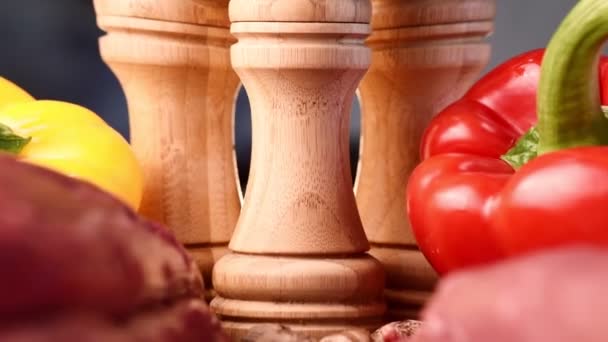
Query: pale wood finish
339, 11
173, 64
299, 246
201, 12
392, 14
426, 53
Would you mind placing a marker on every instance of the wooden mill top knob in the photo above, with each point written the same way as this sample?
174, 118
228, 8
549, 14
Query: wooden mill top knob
328, 11
199, 12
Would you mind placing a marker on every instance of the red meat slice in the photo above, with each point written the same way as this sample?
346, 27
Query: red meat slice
557, 296
185, 321
74, 261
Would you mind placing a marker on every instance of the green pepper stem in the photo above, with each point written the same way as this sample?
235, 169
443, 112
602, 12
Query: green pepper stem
569, 106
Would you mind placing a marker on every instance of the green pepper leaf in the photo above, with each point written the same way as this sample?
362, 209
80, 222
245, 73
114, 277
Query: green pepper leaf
11, 142
524, 150
526, 147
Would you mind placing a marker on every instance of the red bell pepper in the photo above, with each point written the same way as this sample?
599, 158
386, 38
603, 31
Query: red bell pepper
493, 182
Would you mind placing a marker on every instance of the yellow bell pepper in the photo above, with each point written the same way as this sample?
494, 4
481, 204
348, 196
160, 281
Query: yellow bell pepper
11, 93
69, 139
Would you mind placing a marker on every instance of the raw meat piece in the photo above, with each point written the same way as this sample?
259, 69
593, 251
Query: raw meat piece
78, 265
557, 296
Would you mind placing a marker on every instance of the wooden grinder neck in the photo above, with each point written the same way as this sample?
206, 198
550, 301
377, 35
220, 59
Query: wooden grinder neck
301, 78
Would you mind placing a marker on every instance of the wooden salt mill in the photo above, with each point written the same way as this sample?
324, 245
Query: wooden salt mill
172, 60
426, 53
299, 247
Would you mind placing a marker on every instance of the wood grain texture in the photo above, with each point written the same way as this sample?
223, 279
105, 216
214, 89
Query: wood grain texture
326, 11
201, 12
300, 78
390, 14
426, 53
180, 91
315, 296
299, 246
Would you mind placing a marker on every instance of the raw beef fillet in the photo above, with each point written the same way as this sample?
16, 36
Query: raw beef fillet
78, 265
557, 296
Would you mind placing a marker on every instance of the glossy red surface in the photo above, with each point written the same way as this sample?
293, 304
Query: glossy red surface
556, 198
468, 207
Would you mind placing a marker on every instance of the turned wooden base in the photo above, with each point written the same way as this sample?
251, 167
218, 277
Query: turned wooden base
237, 330
317, 296
206, 256
409, 283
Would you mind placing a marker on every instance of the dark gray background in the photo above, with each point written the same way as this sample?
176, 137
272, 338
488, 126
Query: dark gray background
49, 47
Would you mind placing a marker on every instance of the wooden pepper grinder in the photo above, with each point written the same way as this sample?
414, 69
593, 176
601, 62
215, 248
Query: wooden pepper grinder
299, 247
426, 53
172, 60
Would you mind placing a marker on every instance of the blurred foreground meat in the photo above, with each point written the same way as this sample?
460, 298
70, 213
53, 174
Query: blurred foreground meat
184, 321
556, 296
77, 265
